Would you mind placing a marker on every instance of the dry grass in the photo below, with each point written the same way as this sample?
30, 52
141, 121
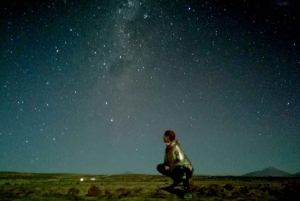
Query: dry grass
48, 187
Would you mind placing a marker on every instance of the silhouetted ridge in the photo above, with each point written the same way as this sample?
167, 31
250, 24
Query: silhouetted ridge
269, 172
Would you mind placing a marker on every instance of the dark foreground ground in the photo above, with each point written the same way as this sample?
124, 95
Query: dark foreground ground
50, 187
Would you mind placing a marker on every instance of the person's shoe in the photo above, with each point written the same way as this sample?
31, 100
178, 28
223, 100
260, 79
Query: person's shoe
187, 195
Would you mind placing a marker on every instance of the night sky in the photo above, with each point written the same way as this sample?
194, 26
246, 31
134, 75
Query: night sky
90, 86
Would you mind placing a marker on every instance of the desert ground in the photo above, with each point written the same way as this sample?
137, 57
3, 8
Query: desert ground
137, 187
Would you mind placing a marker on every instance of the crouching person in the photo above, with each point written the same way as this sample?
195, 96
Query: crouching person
176, 164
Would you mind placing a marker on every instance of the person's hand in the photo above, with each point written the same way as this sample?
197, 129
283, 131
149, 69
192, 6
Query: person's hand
167, 168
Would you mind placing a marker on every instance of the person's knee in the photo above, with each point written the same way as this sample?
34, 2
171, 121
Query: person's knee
189, 173
182, 172
159, 168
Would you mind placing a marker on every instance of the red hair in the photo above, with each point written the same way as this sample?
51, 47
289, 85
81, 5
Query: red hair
171, 135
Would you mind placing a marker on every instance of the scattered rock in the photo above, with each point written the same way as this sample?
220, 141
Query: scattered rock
73, 191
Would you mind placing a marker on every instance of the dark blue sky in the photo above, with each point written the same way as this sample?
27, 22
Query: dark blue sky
90, 87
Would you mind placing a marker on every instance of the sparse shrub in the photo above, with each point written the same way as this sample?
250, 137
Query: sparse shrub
235, 195
94, 191
109, 195
291, 190
159, 194
73, 191
74, 198
203, 191
265, 189
30, 191
244, 190
274, 192
213, 189
6, 194
22, 192
123, 192
137, 191
228, 187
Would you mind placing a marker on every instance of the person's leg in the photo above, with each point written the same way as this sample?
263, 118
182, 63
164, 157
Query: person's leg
161, 169
189, 173
178, 175
186, 182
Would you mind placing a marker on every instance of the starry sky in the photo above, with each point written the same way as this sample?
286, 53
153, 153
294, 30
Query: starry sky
90, 86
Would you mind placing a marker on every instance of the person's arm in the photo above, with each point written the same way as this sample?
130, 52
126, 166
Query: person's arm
179, 155
166, 163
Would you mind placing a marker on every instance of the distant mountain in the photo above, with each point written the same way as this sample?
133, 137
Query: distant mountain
127, 172
269, 172
297, 174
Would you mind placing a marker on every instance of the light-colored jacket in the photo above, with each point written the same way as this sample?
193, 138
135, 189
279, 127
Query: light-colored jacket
175, 156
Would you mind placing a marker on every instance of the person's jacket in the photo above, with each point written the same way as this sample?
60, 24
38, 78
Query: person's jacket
175, 156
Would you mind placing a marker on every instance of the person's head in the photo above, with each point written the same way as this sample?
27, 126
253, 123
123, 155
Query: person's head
169, 136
